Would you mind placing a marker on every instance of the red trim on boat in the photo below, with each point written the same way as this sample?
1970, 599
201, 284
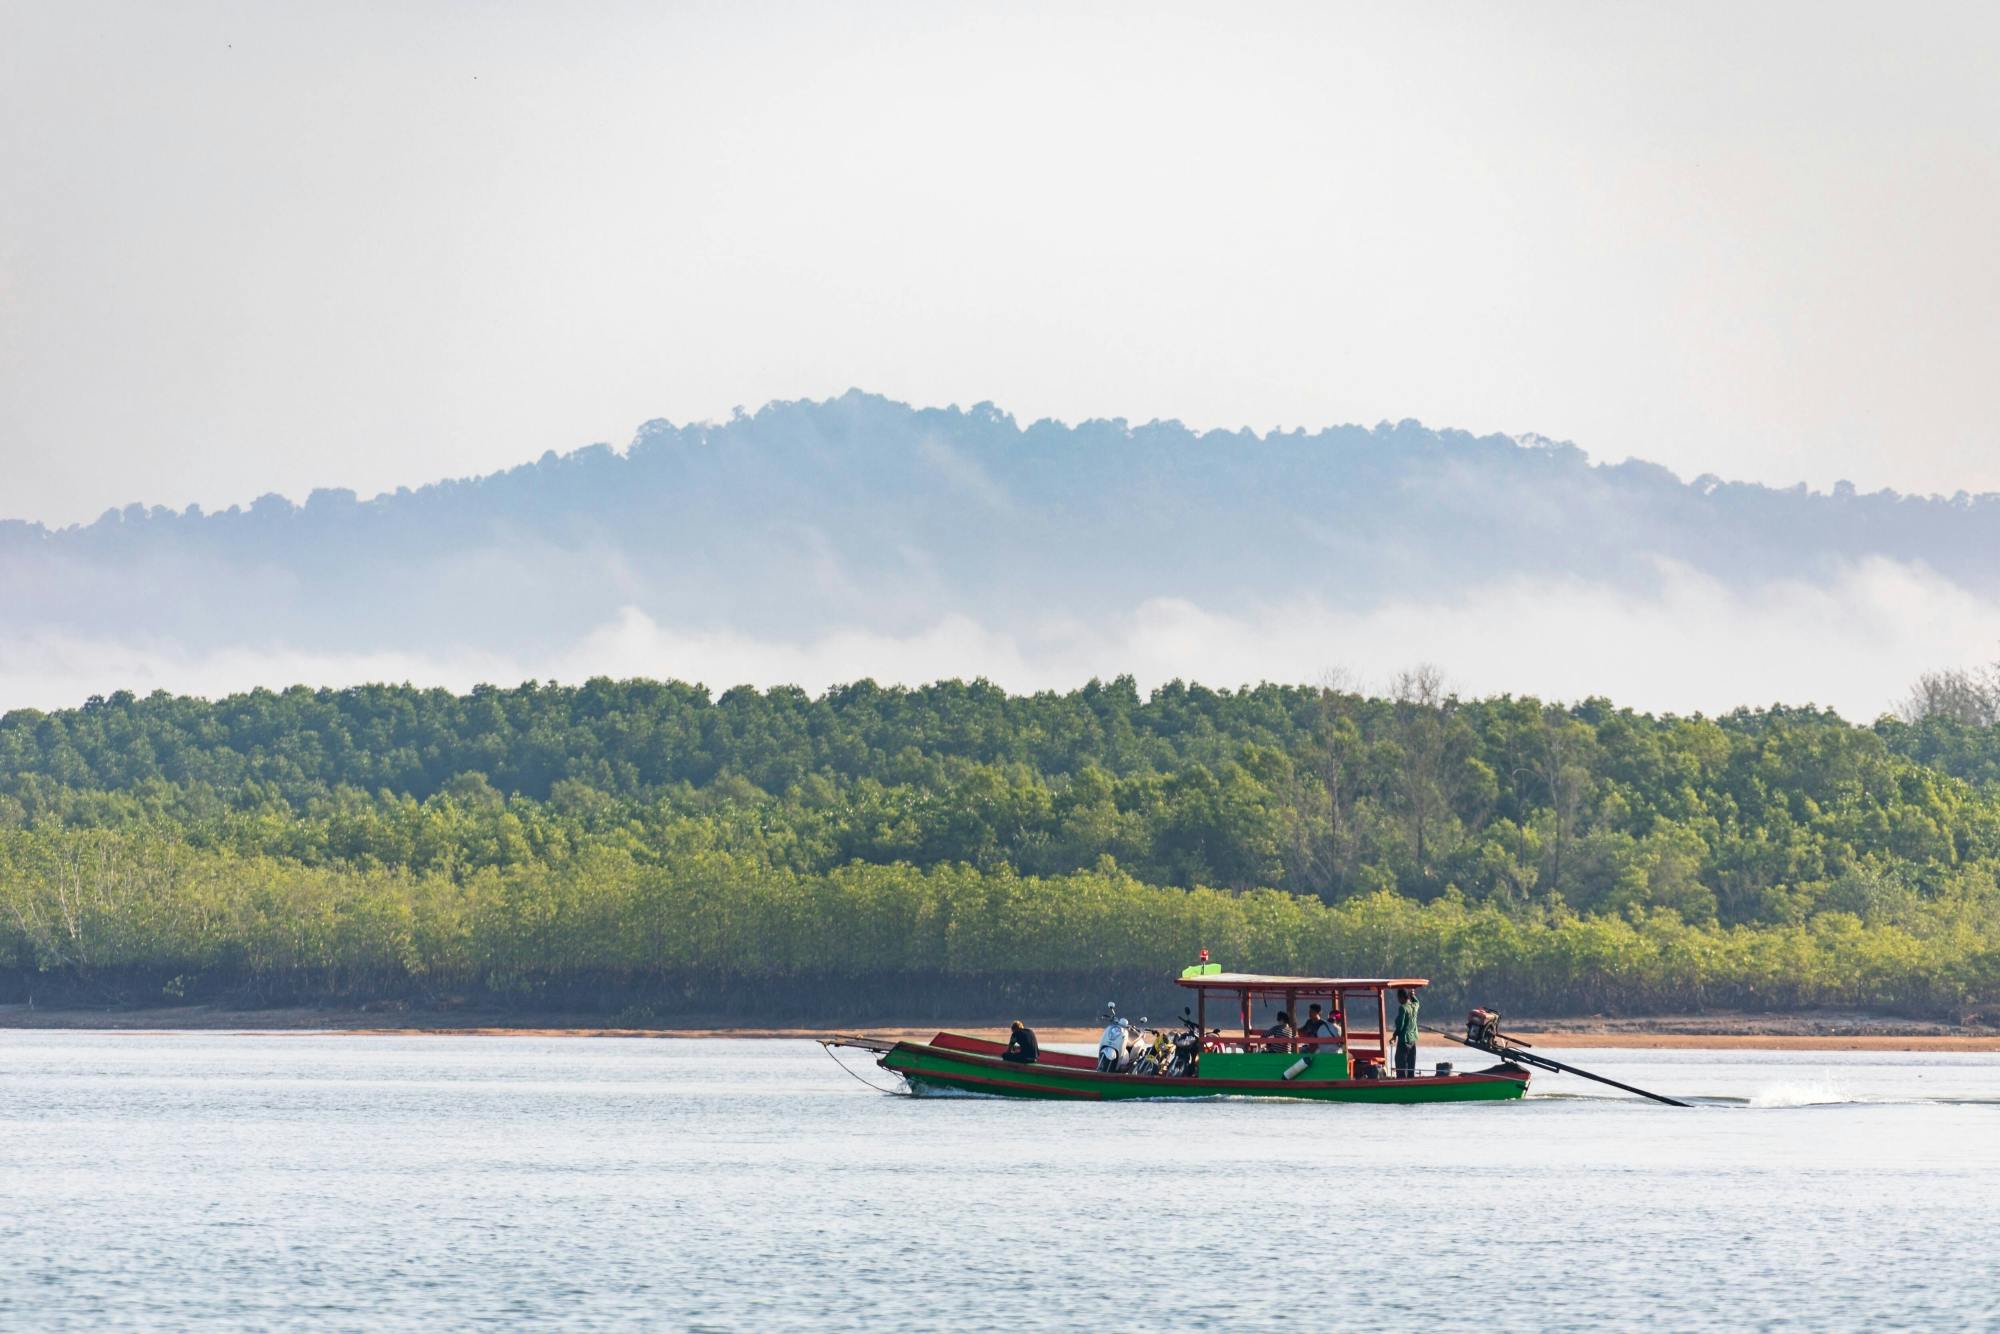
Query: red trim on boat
961, 1042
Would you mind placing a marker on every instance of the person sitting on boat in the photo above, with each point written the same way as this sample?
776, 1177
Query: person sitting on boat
1022, 1046
1282, 1030
1318, 1026
1111, 1043
1406, 1034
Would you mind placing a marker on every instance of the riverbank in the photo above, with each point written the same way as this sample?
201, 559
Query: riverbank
1839, 1031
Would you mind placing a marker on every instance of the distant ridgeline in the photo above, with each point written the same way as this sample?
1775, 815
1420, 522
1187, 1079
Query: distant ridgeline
859, 512
640, 849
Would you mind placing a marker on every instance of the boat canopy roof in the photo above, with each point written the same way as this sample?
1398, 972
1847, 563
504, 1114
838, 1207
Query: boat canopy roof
1264, 982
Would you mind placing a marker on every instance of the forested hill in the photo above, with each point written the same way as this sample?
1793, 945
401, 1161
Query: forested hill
624, 845
863, 514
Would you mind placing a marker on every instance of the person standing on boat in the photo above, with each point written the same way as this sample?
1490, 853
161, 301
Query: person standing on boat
1022, 1046
1111, 1043
1406, 1034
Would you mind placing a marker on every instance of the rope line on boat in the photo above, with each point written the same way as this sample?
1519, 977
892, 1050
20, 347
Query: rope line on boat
828, 1047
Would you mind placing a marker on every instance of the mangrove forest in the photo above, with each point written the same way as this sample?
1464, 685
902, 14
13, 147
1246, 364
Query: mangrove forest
649, 851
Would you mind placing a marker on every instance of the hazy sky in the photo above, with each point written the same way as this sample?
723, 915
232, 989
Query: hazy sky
269, 247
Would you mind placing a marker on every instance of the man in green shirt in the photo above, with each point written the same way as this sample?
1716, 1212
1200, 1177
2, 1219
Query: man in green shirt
1406, 1033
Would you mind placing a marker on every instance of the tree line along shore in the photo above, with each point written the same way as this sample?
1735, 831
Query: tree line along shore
648, 851
1817, 1031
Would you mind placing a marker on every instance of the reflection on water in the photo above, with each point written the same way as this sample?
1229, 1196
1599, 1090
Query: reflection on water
440, 1182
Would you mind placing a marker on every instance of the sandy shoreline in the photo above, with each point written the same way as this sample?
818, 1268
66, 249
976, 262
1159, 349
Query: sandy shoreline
1779, 1032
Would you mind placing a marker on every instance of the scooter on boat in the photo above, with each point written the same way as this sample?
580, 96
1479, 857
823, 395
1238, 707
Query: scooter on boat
1172, 1054
1154, 1053
1139, 1041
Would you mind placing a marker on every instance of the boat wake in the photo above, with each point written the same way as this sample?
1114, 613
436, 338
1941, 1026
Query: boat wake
1801, 1093
1782, 1096
929, 1091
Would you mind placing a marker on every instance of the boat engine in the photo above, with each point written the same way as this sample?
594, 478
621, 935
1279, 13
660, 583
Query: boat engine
1482, 1028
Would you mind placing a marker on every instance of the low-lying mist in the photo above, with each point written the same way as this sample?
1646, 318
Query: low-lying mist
1853, 644
816, 543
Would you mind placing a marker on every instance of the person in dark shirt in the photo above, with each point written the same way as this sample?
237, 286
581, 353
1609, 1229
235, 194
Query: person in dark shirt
1022, 1048
1317, 1026
1406, 1034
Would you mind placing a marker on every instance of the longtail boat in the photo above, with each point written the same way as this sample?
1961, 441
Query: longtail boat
1233, 1061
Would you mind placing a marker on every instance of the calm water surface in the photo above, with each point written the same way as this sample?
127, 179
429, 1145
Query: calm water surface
367, 1182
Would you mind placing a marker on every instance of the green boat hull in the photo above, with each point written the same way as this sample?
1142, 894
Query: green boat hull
933, 1070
